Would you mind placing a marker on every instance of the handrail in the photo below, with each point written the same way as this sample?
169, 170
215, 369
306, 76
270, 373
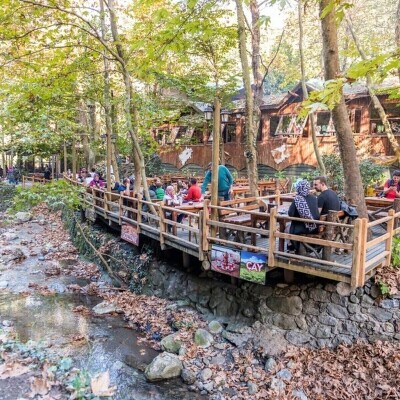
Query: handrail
110, 205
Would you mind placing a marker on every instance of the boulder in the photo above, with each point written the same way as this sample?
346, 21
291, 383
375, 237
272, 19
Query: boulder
164, 366
289, 305
203, 338
171, 344
215, 327
21, 217
104, 308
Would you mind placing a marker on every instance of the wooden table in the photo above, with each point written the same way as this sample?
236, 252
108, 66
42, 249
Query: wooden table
194, 207
282, 212
379, 201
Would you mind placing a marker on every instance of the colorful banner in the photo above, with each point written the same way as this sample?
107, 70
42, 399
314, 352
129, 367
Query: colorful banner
225, 260
253, 267
129, 233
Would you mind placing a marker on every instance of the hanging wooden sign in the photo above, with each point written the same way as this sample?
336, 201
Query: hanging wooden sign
129, 234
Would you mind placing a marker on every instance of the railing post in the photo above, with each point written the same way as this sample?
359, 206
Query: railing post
359, 252
272, 229
120, 211
389, 240
396, 206
139, 211
106, 199
201, 232
204, 227
162, 226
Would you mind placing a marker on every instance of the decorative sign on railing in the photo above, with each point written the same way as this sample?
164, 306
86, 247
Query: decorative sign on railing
239, 264
225, 260
253, 266
129, 234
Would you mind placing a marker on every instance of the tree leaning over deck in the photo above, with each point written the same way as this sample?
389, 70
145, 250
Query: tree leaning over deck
352, 178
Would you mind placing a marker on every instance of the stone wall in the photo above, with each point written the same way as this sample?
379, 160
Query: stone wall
320, 313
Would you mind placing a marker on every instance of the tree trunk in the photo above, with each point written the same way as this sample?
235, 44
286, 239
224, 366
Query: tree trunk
352, 178
305, 91
375, 101
114, 153
131, 114
251, 137
106, 96
83, 132
397, 31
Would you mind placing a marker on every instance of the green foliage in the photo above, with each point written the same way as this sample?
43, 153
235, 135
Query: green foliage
370, 172
54, 193
79, 385
396, 252
383, 287
280, 175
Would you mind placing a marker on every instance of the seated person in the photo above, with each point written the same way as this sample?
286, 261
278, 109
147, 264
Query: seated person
96, 182
304, 206
194, 192
171, 199
159, 191
391, 188
153, 186
124, 188
328, 199
114, 184
182, 188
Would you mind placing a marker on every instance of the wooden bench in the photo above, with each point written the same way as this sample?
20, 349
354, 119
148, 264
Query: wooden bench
330, 233
235, 215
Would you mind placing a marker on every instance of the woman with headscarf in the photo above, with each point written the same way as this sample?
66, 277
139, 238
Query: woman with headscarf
171, 199
304, 206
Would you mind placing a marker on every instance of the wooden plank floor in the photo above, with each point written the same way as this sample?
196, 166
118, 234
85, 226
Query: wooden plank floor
192, 246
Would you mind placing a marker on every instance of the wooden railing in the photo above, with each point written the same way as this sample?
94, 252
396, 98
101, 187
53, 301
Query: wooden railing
368, 246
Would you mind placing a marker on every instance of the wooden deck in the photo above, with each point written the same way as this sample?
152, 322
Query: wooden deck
354, 261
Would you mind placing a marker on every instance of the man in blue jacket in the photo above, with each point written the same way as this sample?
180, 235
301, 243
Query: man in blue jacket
225, 181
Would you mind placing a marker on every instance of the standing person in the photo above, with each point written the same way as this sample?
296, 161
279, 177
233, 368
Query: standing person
304, 206
225, 181
1, 173
10, 175
391, 188
328, 199
47, 173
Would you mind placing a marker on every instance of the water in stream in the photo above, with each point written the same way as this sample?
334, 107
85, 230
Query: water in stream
108, 344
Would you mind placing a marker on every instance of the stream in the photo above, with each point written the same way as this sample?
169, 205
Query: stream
95, 343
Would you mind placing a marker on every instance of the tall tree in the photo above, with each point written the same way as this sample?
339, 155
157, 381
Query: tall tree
374, 98
251, 136
311, 115
352, 178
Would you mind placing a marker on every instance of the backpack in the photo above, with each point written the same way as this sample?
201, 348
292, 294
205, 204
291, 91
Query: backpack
349, 210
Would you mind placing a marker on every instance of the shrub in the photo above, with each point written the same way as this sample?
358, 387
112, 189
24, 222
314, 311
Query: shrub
57, 193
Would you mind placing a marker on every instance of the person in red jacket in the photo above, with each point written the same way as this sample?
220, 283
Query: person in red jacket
391, 189
194, 192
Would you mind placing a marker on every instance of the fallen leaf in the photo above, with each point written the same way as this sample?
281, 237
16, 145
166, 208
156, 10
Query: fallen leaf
12, 369
39, 386
100, 385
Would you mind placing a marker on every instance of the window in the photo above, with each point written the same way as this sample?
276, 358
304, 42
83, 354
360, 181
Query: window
356, 121
260, 130
229, 133
288, 125
273, 124
325, 124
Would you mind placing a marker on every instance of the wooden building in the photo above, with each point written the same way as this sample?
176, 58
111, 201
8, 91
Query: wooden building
284, 142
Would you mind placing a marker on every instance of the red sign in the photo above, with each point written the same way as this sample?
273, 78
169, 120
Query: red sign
129, 234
